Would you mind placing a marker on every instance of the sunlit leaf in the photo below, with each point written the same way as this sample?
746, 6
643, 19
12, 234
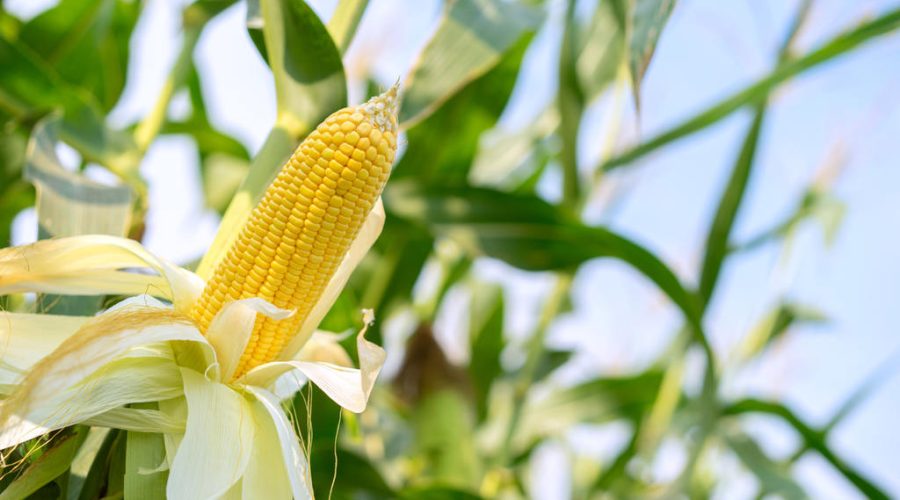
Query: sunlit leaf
470, 39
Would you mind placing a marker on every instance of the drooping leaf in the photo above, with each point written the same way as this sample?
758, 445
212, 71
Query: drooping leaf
759, 90
471, 38
527, 232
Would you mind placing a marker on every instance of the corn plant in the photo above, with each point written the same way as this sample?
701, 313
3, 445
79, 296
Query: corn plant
125, 375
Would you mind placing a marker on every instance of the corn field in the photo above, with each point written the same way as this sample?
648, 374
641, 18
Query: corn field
451, 249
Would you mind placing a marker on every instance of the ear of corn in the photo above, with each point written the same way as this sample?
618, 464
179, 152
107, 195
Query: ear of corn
297, 236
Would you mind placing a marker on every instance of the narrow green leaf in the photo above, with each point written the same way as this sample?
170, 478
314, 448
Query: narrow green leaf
345, 20
813, 439
758, 91
470, 39
727, 211
51, 464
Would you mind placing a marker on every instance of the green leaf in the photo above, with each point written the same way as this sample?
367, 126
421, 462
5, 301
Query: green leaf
760, 90
87, 43
773, 478
345, 20
144, 453
32, 88
527, 232
309, 74
596, 401
52, 463
443, 146
486, 340
648, 18
470, 39
813, 439
776, 323
727, 211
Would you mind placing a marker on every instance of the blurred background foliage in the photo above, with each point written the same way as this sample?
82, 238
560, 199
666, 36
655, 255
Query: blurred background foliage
463, 190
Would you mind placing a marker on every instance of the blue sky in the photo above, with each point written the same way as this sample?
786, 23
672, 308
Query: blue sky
709, 49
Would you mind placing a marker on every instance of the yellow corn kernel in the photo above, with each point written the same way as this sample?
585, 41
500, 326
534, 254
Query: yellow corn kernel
297, 236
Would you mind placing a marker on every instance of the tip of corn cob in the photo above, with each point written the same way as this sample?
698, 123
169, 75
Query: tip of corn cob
382, 109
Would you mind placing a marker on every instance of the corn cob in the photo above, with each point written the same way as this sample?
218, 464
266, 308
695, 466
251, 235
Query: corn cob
297, 236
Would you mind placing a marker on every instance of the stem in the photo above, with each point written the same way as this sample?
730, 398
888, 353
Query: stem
535, 350
571, 108
149, 127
